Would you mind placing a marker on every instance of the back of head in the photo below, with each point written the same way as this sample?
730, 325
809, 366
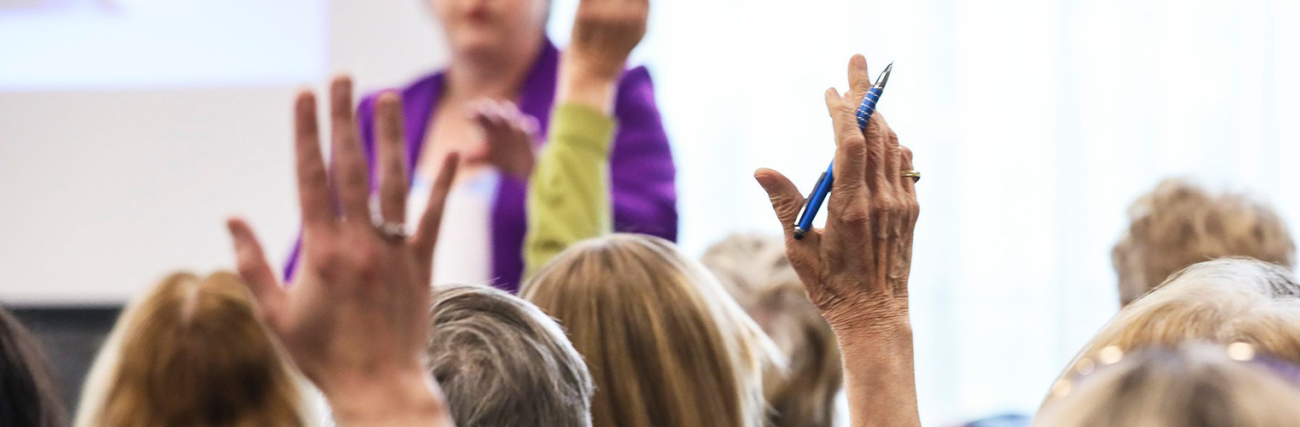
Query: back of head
191, 353
665, 345
755, 271
1193, 385
1179, 224
503, 363
27, 393
1222, 302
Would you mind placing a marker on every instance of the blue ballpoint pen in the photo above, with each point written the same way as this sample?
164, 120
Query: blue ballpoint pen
823, 186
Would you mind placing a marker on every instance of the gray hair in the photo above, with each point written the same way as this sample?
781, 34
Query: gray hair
504, 363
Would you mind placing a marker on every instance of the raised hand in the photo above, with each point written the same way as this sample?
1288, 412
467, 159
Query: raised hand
604, 34
856, 269
509, 137
355, 320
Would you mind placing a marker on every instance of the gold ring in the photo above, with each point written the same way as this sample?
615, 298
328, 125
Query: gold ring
915, 175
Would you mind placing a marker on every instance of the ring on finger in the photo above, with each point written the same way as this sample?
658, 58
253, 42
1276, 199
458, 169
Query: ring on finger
391, 231
914, 174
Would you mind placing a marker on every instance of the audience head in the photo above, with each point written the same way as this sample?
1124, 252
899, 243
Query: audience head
192, 353
753, 268
501, 362
28, 396
494, 28
1222, 302
665, 344
1179, 224
1191, 385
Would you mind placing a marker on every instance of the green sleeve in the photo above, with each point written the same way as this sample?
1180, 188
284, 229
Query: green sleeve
568, 193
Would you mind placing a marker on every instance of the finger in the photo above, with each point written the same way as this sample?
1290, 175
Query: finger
784, 196
908, 184
393, 182
859, 79
252, 266
426, 236
851, 149
313, 180
350, 177
878, 130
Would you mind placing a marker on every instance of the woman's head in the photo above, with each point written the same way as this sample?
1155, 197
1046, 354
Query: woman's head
665, 345
503, 363
755, 271
1223, 301
27, 393
1192, 385
191, 353
1179, 224
492, 27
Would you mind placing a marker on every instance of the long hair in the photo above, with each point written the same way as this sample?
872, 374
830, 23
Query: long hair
664, 343
191, 353
28, 396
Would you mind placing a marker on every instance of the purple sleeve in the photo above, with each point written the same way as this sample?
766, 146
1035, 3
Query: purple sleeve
642, 173
365, 120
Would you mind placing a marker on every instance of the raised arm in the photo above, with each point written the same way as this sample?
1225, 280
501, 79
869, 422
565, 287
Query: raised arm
569, 191
356, 320
856, 269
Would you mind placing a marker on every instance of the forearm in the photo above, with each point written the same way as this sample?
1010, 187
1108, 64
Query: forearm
568, 195
879, 375
410, 399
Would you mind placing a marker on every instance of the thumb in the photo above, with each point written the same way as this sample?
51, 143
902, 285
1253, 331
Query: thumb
784, 196
252, 266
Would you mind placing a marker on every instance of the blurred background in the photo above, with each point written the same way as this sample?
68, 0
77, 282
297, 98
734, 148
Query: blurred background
130, 128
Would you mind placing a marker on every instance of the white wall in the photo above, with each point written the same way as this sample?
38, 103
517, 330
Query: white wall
103, 192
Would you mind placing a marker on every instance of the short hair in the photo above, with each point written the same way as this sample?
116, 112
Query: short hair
28, 396
1191, 385
192, 352
503, 363
1179, 224
754, 269
1222, 302
665, 344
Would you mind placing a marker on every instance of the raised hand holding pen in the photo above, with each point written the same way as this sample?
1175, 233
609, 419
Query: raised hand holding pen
824, 183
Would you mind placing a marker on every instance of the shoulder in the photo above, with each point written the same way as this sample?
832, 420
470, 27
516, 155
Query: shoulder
636, 85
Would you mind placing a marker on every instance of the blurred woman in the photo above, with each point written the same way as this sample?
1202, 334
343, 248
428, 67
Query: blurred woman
664, 343
1226, 301
499, 51
1191, 385
27, 393
1179, 224
191, 353
753, 268
503, 363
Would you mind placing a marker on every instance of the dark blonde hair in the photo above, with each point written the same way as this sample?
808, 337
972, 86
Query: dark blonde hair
753, 268
191, 353
503, 363
1179, 224
664, 343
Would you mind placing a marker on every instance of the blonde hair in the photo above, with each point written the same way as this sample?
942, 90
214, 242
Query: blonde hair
664, 343
1223, 301
501, 362
753, 268
191, 353
1194, 385
1179, 224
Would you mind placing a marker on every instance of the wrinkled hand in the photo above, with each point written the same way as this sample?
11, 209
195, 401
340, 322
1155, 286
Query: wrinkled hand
355, 321
604, 33
856, 269
509, 137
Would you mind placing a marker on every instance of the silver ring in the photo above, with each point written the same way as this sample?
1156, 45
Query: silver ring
391, 231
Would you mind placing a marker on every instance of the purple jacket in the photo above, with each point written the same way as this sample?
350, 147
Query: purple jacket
642, 173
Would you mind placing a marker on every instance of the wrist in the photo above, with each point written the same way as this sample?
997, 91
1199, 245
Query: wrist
401, 398
582, 82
